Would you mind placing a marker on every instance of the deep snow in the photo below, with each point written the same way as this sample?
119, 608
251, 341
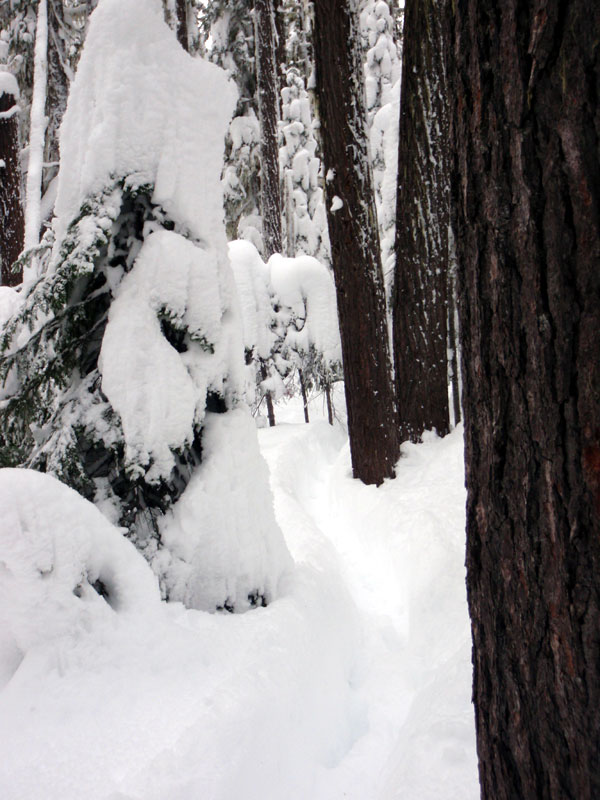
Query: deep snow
355, 683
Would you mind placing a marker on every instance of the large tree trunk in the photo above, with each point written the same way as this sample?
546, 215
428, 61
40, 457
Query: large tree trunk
420, 285
268, 105
372, 418
526, 82
12, 222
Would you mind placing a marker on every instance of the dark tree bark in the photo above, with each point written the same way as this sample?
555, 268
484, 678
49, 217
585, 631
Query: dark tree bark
526, 83
372, 417
422, 216
12, 221
182, 24
268, 105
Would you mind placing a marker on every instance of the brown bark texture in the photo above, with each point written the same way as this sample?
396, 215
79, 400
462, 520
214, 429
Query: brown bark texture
268, 114
372, 417
422, 215
12, 221
525, 80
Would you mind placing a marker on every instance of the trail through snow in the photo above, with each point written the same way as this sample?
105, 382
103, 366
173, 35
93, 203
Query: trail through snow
355, 683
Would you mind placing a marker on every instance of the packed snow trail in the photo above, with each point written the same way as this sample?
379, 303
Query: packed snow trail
400, 551
355, 683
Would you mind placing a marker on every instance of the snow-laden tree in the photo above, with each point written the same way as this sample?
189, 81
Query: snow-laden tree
290, 322
304, 202
229, 28
123, 370
382, 92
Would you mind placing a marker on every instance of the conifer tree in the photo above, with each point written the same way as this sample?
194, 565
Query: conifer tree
372, 419
422, 250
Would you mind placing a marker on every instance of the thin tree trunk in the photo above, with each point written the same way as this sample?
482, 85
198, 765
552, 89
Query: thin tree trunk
304, 397
12, 223
525, 83
268, 105
268, 398
420, 286
329, 403
353, 232
37, 131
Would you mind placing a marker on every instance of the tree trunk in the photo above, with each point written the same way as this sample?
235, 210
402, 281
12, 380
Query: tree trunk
182, 24
372, 417
12, 222
422, 216
37, 130
525, 85
268, 105
304, 395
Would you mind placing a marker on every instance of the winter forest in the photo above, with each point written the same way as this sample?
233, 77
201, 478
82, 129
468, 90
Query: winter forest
299, 317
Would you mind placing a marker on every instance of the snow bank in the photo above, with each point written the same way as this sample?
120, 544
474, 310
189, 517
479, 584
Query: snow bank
218, 558
57, 553
131, 112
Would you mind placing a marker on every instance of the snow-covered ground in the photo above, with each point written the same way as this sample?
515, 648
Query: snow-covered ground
355, 683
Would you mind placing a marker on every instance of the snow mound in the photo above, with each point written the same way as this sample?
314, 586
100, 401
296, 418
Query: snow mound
217, 554
62, 565
111, 128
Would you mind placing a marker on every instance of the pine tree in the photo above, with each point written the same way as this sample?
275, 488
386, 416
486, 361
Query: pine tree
372, 419
526, 184
231, 31
304, 203
422, 252
120, 373
382, 93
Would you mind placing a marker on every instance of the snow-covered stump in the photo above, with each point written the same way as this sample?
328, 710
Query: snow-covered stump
123, 371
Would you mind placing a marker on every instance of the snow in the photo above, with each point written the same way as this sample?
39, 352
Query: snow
129, 110
9, 85
354, 683
174, 278
306, 287
214, 553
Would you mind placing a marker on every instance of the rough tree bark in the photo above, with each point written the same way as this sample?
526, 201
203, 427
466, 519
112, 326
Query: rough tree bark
268, 105
372, 417
422, 216
12, 221
182, 24
525, 83
267, 87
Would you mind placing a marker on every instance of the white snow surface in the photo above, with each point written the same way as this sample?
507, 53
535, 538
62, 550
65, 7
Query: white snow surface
354, 683
221, 537
8, 84
135, 97
158, 392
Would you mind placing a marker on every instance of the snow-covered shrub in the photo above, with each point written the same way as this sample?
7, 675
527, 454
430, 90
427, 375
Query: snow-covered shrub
289, 320
63, 566
131, 337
